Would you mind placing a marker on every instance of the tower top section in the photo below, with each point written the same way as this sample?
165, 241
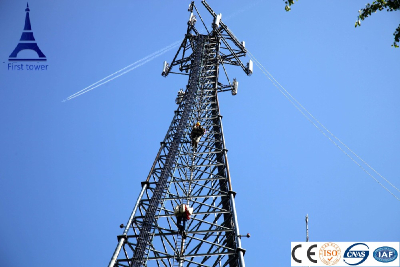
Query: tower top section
228, 51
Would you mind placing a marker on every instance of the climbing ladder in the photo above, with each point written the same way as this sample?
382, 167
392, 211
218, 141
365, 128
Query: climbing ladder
180, 241
189, 177
178, 251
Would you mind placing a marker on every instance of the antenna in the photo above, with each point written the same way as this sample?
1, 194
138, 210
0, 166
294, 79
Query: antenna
307, 228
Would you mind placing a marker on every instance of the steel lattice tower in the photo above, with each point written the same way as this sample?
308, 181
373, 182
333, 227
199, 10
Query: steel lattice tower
179, 175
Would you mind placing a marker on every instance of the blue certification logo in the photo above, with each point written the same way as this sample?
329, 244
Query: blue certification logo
385, 254
356, 254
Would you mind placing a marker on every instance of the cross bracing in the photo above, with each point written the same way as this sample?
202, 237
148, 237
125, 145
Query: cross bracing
180, 175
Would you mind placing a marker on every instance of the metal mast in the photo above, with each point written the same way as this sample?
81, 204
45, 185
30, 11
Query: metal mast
307, 228
180, 175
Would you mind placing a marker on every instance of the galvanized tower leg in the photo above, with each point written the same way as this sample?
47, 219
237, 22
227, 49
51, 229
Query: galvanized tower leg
179, 175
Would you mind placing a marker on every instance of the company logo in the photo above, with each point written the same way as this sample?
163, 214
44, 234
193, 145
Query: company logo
330, 253
27, 42
356, 254
385, 254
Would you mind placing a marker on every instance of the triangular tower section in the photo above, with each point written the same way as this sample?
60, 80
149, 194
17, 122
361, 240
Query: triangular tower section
190, 171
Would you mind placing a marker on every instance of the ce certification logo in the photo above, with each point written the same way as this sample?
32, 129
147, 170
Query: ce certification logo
310, 253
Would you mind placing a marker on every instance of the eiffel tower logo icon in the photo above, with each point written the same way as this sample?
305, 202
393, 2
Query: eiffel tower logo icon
27, 42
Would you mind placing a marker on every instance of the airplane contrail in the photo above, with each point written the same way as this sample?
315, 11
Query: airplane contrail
141, 61
127, 69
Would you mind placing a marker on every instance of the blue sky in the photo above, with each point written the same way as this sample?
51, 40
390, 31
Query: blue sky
70, 172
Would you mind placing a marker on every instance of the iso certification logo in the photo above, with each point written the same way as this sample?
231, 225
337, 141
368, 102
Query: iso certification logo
330, 253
